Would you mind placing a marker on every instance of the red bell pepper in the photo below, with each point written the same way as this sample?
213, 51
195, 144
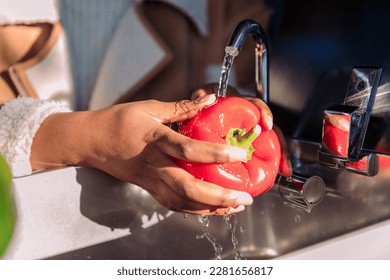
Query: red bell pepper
335, 138
235, 121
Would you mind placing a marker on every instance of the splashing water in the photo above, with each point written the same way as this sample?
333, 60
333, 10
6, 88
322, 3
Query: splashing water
205, 222
232, 226
223, 80
231, 221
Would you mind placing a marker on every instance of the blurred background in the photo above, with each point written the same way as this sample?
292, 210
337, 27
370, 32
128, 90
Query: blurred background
315, 45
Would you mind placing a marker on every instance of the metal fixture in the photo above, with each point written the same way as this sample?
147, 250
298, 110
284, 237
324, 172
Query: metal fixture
301, 191
234, 46
342, 144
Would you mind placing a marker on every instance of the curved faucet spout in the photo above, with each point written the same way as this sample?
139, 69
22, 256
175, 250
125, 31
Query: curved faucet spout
234, 46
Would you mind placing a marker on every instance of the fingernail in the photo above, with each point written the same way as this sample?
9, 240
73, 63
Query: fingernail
236, 154
207, 99
269, 121
211, 99
241, 198
236, 209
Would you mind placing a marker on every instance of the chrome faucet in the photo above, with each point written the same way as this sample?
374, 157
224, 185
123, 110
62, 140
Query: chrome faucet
234, 46
300, 191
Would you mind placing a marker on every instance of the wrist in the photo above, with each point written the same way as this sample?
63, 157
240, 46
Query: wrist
59, 141
76, 138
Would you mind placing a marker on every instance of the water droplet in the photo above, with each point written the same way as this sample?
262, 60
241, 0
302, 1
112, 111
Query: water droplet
185, 215
204, 221
242, 229
297, 218
199, 236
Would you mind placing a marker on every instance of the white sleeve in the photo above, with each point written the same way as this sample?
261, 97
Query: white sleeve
19, 121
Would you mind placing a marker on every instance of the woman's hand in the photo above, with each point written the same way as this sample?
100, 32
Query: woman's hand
131, 142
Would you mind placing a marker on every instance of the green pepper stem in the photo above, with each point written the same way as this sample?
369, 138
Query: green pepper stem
239, 138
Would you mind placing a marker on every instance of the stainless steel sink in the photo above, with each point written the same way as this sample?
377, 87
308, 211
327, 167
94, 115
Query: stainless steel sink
80, 213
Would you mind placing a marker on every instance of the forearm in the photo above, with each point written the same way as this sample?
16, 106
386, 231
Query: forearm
76, 138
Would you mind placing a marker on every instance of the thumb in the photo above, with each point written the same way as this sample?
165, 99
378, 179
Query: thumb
285, 166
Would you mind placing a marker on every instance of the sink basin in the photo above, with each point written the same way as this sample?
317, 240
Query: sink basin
369, 243
81, 213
